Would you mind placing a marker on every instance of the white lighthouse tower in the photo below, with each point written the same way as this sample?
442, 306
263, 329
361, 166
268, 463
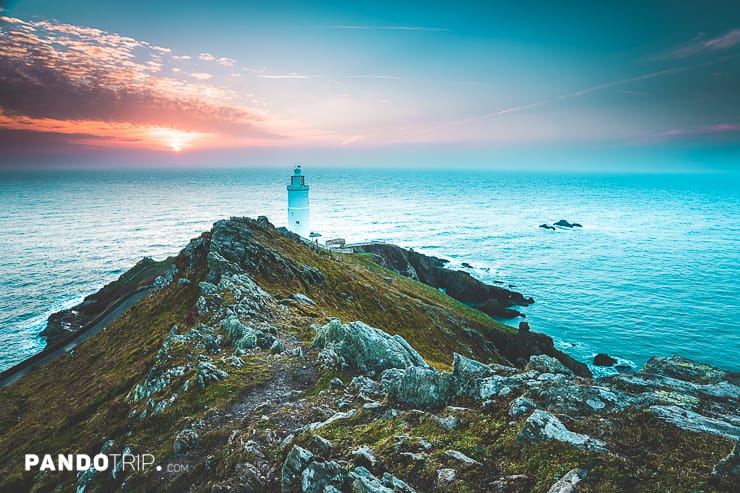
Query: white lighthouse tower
298, 212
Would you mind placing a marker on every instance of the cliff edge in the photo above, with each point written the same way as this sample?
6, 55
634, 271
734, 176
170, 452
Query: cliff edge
259, 364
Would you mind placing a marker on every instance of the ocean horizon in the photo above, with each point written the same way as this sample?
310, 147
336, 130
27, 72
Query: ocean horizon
652, 272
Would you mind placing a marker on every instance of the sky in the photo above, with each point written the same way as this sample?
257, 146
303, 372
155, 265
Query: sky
480, 84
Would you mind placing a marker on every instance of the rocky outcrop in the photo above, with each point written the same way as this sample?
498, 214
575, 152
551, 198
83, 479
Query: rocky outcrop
236, 391
65, 323
493, 300
303, 472
468, 374
234, 249
542, 426
419, 387
546, 364
689, 371
520, 347
366, 348
407, 379
161, 282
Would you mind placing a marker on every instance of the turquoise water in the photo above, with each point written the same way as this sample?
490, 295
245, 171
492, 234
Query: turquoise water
654, 271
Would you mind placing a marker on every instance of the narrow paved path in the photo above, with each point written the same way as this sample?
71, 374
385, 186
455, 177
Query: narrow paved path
107, 319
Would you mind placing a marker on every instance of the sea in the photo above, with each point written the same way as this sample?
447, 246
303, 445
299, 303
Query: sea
654, 271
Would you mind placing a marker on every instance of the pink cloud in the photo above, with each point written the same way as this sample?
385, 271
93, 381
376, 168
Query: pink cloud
291, 75
201, 76
98, 86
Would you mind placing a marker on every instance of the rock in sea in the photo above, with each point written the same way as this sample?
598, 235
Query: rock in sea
603, 359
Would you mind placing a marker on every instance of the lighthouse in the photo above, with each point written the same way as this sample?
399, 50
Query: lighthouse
298, 212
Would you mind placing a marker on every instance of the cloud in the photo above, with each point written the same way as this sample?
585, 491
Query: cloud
583, 92
621, 82
386, 77
225, 61
721, 128
104, 88
389, 28
201, 76
513, 109
291, 75
698, 45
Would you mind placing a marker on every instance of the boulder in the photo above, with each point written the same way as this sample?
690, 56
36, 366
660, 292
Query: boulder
467, 375
521, 405
689, 420
367, 386
208, 373
445, 477
542, 426
297, 460
365, 457
366, 348
321, 445
459, 456
185, 440
519, 347
687, 370
448, 422
419, 387
603, 359
396, 484
336, 417
249, 476
584, 400
321, 476
363, 481
499, 386
302, 298
543, 363
161, 282
569, 482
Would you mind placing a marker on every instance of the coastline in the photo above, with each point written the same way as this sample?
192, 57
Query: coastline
385, 259
112, 312
256, 338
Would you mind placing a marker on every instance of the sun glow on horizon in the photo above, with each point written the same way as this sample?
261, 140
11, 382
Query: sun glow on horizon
176, 140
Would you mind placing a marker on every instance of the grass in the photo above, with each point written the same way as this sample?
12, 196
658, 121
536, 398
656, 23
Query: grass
74, 404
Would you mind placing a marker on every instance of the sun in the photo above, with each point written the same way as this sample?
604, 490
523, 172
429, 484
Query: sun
176, 140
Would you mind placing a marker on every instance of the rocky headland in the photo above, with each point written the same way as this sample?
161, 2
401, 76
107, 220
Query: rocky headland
260, 364
146, 273
492, 300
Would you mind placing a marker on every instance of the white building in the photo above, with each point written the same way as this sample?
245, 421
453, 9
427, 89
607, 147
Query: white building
298, 212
